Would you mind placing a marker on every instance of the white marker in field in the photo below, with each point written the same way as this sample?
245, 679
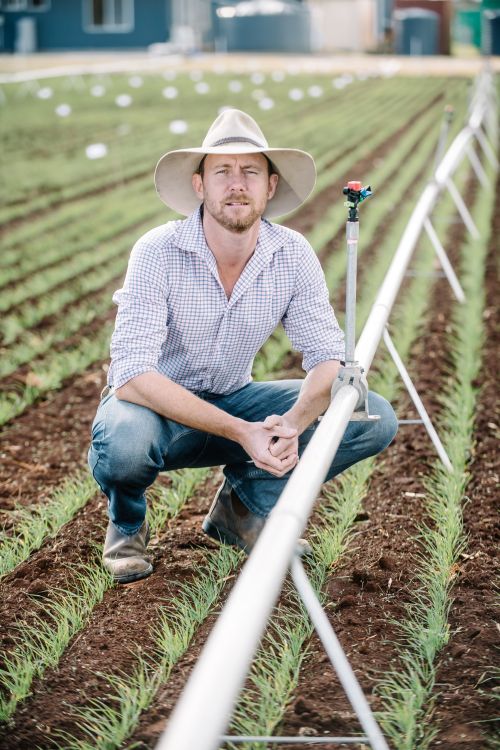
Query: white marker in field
202, 87
178, 127
135, 82
266, 103
315, 91
96, 151
295, 95
278, 76
170, 92
63, 110
257, 78
98, 90
45, 93
235, 86
123, 100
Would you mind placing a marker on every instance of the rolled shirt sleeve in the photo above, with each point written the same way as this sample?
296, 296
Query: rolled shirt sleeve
141, 327
310, 321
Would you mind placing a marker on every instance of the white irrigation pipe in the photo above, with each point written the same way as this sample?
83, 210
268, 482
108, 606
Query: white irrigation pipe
204, 708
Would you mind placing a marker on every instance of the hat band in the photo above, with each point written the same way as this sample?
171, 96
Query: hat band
236, 139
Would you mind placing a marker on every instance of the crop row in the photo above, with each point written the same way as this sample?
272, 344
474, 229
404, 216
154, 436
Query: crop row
408, 692
133, 156
129, 153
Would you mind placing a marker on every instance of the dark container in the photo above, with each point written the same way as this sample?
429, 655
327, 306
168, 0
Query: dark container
491, 32
444, 9
416, 32
264, 27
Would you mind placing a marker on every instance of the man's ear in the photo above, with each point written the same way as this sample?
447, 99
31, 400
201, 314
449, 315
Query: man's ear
197, 184
273, 184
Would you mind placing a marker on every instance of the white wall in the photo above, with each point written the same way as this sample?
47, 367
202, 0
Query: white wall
344, 25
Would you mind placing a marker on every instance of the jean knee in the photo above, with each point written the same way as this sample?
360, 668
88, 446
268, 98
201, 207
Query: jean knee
129, 451
386, 427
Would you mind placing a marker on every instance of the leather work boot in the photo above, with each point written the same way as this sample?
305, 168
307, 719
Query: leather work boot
124, 556
228, 521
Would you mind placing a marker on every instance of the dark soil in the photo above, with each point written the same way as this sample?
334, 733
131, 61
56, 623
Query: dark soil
369, 588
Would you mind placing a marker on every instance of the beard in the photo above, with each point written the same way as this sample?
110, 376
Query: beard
222, 213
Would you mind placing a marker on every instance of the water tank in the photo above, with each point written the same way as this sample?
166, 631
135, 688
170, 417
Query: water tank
416, 32
444, 9
491, 32
25, 36
265, 26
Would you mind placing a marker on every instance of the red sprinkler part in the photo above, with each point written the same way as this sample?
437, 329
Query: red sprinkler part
354, 185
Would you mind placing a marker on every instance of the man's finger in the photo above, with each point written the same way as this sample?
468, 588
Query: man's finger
280, 446
281, 431
281, 467
271, 421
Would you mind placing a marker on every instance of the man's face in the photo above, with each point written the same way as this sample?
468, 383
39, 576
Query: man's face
235, 189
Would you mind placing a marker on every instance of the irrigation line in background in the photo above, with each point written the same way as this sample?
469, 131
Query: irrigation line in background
223, 664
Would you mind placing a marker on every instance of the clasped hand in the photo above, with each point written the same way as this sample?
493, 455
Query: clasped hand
273, 444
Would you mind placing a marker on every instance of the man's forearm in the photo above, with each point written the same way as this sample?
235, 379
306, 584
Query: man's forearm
162, 395
170, 400
314, 398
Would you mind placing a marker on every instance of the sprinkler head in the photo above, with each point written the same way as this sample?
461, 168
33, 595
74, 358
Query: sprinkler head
356, 194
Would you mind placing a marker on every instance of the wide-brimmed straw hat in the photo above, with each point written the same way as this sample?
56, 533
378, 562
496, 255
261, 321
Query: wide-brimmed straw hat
235, 132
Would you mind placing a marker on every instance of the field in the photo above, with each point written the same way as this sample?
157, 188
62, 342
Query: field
404, 553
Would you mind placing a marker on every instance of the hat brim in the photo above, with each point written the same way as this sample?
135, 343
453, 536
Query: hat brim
295, 168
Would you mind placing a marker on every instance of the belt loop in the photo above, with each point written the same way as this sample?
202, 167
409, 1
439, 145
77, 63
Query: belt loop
106, 391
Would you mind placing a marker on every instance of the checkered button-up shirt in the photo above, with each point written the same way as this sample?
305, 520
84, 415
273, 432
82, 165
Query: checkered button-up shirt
174, 316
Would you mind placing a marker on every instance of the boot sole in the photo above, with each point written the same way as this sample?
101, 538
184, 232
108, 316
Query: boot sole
222, 535
131, 577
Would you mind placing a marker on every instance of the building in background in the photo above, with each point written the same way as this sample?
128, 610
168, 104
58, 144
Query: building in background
43, 25
287, 26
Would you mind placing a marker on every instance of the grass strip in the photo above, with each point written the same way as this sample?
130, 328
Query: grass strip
407, 693
41, 645
33, 525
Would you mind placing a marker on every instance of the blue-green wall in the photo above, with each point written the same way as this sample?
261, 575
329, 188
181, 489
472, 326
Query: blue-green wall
61, 27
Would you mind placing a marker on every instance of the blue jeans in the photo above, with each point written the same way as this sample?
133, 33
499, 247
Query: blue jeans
132, 444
